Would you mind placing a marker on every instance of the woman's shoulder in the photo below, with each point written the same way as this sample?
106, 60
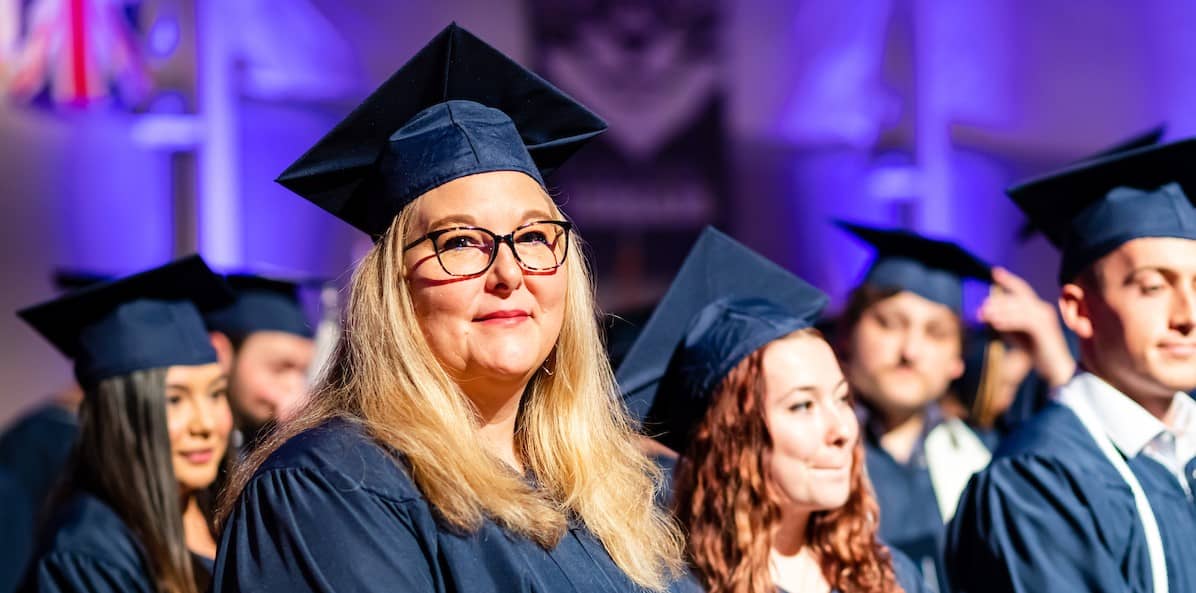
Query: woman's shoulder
85, 531
339, 454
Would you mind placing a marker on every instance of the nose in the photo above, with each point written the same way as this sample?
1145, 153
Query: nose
203, 417
506, 275
841, 427
912, 341
1183, 310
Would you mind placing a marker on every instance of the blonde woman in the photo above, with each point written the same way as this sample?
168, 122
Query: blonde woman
467, 435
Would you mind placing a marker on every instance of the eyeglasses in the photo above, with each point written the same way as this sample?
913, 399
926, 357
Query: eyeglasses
539, 246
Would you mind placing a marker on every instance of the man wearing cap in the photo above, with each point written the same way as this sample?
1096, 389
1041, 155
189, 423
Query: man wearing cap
1095, 492
265, 341
901, 344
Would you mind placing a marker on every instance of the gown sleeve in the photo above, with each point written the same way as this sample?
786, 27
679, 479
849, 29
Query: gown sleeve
1025, 525
79, 573
301, 530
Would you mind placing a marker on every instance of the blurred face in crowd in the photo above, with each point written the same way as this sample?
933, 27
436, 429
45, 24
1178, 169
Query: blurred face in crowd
903, 353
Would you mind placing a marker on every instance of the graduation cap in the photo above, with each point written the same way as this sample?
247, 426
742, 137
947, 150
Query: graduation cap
726, 302
144, 321
1092, 208
262, 304
929, 268
1148, 138
66, 280
457, 108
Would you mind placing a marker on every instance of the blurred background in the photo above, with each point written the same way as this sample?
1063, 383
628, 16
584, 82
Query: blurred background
133, 131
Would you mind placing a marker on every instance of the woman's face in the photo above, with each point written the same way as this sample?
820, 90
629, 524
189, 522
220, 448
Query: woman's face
811, 421
496, 327
198, 421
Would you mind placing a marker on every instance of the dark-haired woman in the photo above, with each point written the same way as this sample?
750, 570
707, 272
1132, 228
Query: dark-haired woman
154, 426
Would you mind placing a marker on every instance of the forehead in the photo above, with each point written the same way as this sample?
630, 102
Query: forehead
495, 197
180, 374
1161, 253
911, 305
798, 361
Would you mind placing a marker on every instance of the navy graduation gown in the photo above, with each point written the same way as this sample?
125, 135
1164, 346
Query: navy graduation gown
910, 520
89, 550
36, 449
1052, 514
16, 523
332, 510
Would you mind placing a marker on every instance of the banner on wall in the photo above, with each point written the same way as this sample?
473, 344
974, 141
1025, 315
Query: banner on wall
640, 193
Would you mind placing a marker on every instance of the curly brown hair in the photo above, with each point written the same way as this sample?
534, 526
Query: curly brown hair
728, 505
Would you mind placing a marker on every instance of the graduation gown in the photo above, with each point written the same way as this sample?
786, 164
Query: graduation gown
16, 523
37, 447
1051, 513
332, 510
89, 549
915, 497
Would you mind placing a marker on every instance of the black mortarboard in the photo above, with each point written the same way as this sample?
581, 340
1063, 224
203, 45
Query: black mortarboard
144, 321
1147, 138
457, 108
262, 304
66, 280
726, 302
1089, 209
929, 268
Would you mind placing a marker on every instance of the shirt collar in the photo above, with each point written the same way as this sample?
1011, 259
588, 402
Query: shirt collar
1126, 422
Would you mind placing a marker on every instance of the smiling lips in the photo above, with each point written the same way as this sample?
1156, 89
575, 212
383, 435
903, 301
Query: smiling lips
198, 456
506, 317
1179, 349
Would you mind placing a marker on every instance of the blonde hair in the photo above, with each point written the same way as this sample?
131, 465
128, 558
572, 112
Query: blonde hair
572, 430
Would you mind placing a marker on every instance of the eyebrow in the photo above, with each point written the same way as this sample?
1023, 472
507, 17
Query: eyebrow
466, 219
813, 389
1167, 273
184, 387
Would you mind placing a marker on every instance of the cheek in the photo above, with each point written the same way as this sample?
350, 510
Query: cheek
793, 442
444, 312
177, 418
549, 292
873, 346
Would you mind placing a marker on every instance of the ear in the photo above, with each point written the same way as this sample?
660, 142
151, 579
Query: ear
957, 367
1075, 310
224, 349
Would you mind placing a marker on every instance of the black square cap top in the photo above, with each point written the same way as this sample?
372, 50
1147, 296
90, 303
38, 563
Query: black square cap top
1091, 208
458, 107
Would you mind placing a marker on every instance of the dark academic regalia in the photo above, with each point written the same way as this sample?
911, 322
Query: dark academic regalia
1052, 514
910, 520
16, 528
33, 454
36, 448
91, 550
332, 510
